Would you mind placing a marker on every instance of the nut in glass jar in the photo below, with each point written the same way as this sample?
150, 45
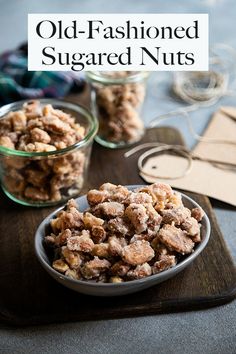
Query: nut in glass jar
117, 99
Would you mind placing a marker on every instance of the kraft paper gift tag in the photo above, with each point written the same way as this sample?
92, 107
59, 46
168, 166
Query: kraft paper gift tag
203, 178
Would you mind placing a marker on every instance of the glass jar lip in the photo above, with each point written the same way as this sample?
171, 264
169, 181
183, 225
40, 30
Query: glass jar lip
100, 77
59, 102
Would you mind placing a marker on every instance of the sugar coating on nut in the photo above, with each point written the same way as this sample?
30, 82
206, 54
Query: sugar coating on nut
138, 252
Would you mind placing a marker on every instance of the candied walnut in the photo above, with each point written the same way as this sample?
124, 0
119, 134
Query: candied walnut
32, 109
34, 193
98, 234
62, 141
146, 236
114, 193
34, 123
55, 125
191, 226
62, 166
110, 209
60, 266
165, 262
197, 213
95, 197
136, 213
116, 245
5, 125
154, 220
14, 185
15, 162
115, 280
56, 224
72, 274
175, 216
139, 272
120, 268
175, 201
138, 252
102, 278
94, 268
90, 220
7, 142
60, 239
40, 135
63, 236
158, 247
18, 121
39, 147
175, 239
36, 177
101, 250
160, 193
81, 243
138, 198
71, 219
119, 225
71, 203
73, 258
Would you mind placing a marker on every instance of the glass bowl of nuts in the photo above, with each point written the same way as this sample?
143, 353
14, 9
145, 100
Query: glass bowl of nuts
117, 100
44, 150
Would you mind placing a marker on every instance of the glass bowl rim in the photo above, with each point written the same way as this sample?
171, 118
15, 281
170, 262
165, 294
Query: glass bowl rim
60, 102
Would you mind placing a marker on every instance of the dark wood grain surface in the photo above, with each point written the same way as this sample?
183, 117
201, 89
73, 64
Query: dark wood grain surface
28, 295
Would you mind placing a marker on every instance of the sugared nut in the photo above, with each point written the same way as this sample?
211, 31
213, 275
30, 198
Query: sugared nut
175, 239
95, 197
139, 272
73, 274
6, 142
73, 258
110, 209
90, 220
120, 268
18, 121
101, 250
138, 252
80, 243
116, 280
60, 266
197, 213
137, 215
116, 245
40, 135
37, 194
98, 234
165, 262
94, 268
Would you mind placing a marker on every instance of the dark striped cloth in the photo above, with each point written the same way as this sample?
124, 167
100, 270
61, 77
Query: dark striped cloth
17, 83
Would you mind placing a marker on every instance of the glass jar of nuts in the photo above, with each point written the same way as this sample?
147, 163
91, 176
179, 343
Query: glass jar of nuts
44, 150
117, 100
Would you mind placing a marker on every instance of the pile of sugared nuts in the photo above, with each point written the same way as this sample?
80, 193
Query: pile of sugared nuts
123, 235
118, 108
38, 128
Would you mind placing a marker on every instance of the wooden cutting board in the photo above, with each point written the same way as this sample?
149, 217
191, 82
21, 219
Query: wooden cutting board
30, 296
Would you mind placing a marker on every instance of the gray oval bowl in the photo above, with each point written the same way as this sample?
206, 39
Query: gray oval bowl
107, 289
